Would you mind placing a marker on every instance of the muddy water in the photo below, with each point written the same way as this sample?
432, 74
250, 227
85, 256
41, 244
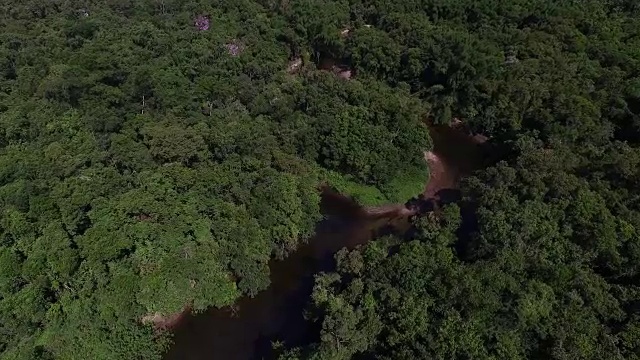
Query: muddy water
245, 331
455, 153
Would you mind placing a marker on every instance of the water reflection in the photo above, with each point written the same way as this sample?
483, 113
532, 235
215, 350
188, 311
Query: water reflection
245, 330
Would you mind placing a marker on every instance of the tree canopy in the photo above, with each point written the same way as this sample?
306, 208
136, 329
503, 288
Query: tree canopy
158, 153
145, 165
540, 259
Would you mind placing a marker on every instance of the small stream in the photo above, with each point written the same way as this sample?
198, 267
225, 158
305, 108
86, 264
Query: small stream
245, 330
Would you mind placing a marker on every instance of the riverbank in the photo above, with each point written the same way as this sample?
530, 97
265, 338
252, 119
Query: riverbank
246, 329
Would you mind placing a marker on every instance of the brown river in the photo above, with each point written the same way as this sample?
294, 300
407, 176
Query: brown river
246, 330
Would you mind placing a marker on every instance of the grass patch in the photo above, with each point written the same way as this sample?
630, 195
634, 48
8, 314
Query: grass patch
366, 195
410, 183
400, 189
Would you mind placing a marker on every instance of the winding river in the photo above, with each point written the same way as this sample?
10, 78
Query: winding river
245, 330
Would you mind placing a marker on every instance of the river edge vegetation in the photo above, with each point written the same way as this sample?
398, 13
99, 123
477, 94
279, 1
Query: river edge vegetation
541, 258
145, 164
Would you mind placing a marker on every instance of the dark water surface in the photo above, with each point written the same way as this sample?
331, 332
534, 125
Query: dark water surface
245, 330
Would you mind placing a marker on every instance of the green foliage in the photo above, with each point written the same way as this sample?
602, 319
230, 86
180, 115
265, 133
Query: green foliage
144, 167
406, 185
540, 259
422, 300
363, 194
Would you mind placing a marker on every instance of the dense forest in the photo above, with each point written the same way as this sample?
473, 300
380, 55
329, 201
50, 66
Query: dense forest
158, 153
